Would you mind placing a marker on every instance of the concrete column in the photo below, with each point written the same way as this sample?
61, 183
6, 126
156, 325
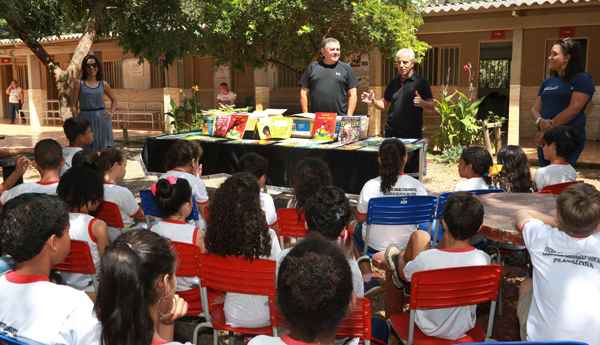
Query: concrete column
36, 95
176, 95
375, 84
262, 89
171, 75
515, 87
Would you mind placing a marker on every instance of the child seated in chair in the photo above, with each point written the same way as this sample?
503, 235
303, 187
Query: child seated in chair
314, 292
112, 166
328, 213
48, 161
310, 174
174, 200
463, 216
474, 169
238, 227
184, 161
81, 189
80, 135
391, 182
562, 300
258, 165
559, 144
34, 232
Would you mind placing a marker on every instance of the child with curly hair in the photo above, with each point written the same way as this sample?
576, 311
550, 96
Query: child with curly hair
310, 175
237, 226
314, 290
515, 176
258, 165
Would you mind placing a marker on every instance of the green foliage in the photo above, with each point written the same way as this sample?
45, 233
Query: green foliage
186, 116
450, 155
289, 32
459, 125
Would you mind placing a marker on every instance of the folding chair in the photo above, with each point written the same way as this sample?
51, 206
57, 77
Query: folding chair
399, 210
358, 322
291, 223
236, 274
547, 342
445, 288
109, 212
79, 261
151, 209
558, 188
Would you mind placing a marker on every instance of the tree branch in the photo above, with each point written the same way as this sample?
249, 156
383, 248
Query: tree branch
30, 42
283, 64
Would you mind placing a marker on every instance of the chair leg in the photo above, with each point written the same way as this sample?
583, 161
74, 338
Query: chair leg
215, 337
197, 329
231, 338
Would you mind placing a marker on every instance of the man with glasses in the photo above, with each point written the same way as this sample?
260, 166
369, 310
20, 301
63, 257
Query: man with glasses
407, 96
329, 83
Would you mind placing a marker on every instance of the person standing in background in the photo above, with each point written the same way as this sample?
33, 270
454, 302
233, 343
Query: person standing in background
329, 83
225, 96
15, 99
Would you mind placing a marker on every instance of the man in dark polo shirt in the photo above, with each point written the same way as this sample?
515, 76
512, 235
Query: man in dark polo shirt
407, 96
329, 83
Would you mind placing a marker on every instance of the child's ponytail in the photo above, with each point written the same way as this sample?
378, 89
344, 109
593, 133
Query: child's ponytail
170, 194
392, 153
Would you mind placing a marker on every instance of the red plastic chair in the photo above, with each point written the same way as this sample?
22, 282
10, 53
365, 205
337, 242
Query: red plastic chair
109, 212
558, 188
236, 274
188, 265
445, 288
290, 223
79, 260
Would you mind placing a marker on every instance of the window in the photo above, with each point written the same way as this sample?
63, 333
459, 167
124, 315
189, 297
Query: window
287, 77
113, 73
440, 65
494, 73
157, 76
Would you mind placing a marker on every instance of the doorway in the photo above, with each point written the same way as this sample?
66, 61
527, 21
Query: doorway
6, 76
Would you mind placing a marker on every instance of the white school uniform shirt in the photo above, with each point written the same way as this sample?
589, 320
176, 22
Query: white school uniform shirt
357, 279
29, 187
447, 323
473, 183
124, 198
268, 206
553, 174
80, 228
68, 153
46, 312
199, 191
179, 232
381, 236
566, 284
243, 310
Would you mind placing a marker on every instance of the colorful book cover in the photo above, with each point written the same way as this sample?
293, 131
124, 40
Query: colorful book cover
349, 129
221, 126
324, 127
237, 126
302, 127
274, 127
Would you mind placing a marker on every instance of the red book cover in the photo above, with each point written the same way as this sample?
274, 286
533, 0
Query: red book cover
237, 126
222, 124
324, 126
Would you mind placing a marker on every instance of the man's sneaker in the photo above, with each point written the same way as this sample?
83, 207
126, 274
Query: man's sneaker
391, 259
372, 287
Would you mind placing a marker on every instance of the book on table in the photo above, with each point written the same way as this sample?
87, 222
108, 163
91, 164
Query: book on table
237, 126
324, 126
349, 129
274, 127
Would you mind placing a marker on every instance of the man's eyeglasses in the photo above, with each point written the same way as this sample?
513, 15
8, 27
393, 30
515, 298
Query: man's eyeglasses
91, 65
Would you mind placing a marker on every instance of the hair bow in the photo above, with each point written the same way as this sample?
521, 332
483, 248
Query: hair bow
170, 179
495, 169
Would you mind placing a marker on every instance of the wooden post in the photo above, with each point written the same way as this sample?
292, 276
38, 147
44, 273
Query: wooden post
515, 87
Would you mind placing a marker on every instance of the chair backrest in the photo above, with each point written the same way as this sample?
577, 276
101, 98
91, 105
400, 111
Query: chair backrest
443, 197
558, 188
485, 191
399, 210
109, 212
238, 274
79, 259
151, 209
290, 223
358, 322
188, 259
8, 339
454, 287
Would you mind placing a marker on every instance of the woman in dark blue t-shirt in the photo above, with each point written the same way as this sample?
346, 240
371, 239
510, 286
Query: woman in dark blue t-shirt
563, 97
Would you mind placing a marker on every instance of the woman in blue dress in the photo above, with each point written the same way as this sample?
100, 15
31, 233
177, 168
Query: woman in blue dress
89, 99
563, 97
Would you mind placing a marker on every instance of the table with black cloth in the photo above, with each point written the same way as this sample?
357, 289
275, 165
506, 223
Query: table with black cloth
350, 168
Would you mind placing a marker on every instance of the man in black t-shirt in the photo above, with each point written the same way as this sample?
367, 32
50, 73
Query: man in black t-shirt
407, 96
329, 83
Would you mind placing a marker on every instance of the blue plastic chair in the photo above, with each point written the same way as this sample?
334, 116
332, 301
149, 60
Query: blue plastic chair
437, 230
547, 342
399, 210
8, 336
151, 209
